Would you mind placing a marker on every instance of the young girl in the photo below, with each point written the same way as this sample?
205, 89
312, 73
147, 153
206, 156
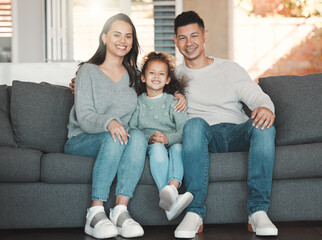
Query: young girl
162, 126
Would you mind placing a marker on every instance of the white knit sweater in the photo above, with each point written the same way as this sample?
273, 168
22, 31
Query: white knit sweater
216, 91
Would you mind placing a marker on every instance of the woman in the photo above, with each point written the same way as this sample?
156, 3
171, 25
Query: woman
105, 99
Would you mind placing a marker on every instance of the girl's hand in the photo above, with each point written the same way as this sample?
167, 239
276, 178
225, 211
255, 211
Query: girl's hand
117, 129
159, 137
182, 103
72, 85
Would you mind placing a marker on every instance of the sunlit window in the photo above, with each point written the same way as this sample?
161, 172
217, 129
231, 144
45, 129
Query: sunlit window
90, 16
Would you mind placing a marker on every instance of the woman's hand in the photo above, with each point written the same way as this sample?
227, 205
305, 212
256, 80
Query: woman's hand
159, 137
117, 129
181, 106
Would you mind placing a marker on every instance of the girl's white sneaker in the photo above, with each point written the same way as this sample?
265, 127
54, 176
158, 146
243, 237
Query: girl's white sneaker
182, 201
168, 196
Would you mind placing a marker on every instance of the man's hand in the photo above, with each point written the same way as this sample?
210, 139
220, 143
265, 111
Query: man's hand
263, 117
181, 106
159, 137
72, 85
117, 129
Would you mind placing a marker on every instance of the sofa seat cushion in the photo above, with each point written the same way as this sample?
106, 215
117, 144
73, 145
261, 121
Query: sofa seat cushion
64, 168
19, 165
40, 114
298, 101
291, 162
6, 134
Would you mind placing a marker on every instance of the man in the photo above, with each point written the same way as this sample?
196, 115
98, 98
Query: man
217, 123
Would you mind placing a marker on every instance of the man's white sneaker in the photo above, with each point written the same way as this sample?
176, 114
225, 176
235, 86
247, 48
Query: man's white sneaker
182, 201
259, 223
168, 196
189, 226
98, 225
125, 225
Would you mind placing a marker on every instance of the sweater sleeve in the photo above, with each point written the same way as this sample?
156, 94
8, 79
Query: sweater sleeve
134, 121
180, 119
249, 92
87, 117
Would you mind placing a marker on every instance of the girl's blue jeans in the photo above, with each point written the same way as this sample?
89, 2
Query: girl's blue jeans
165, 163
199, 138
127, 161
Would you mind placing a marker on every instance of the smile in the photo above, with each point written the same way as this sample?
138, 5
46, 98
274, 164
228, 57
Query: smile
121, 47
191, 49
156, 81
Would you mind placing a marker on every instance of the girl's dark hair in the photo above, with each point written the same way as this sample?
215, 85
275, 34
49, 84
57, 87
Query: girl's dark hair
130, 59
175, 85
186, 18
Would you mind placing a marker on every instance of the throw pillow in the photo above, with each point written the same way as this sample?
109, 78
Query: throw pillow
40, 115
6, 136
298, 101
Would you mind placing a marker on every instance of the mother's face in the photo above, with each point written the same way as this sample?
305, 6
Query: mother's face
119, 39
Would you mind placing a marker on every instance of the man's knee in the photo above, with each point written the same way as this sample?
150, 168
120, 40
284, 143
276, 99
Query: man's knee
195, 126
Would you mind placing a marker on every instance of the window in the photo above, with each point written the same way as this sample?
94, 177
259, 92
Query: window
5, 30
73, 26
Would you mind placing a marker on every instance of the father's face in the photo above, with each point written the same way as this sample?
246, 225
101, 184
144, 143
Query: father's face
190, 41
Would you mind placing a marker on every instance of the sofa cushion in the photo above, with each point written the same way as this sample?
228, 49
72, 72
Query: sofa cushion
6, 136
64, 168
19, 165
298, 101
40, 114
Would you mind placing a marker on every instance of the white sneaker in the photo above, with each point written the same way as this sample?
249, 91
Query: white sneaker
189, 226
182, 201
125, 225
98, 225
168, 196
259, 223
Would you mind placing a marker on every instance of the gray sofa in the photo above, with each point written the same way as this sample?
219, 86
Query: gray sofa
41, 187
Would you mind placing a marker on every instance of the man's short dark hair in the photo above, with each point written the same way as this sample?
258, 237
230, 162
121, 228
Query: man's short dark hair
186, 18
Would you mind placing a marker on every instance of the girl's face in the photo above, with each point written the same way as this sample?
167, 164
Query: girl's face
119, 39
155, 77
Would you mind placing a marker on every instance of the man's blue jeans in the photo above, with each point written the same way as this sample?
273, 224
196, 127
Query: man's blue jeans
199, 138
165, 163
127, 161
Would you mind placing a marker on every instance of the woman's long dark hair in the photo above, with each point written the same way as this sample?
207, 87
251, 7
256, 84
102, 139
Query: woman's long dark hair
130, 59
175, 85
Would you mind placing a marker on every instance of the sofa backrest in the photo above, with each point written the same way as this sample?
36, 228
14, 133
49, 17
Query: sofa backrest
6, 134
298, 107
40, 115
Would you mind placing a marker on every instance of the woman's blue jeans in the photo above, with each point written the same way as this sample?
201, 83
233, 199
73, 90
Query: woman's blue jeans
199, 138
165, 163
127, 161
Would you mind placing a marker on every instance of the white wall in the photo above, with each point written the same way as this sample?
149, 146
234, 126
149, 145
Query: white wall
28, 40
54, 73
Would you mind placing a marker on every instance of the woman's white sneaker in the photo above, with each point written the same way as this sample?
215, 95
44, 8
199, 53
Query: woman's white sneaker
124, 223
259, 223
98, 225
189, 226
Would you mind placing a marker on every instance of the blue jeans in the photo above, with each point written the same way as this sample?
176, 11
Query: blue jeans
199, 138
127, 161
165, 163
